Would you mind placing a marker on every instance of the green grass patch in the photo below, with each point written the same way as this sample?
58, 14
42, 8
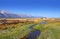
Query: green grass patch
17, 32
51, 32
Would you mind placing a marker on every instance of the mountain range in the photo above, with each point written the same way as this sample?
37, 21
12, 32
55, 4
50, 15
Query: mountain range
5, 14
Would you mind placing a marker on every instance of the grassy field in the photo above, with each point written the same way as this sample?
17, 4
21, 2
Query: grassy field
16, 32
51, 31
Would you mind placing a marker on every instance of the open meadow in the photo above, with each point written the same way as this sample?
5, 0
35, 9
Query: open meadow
43, 29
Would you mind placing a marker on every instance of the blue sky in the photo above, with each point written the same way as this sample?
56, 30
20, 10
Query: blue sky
45, 8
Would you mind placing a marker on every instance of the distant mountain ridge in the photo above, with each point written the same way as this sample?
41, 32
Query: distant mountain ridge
5, 14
